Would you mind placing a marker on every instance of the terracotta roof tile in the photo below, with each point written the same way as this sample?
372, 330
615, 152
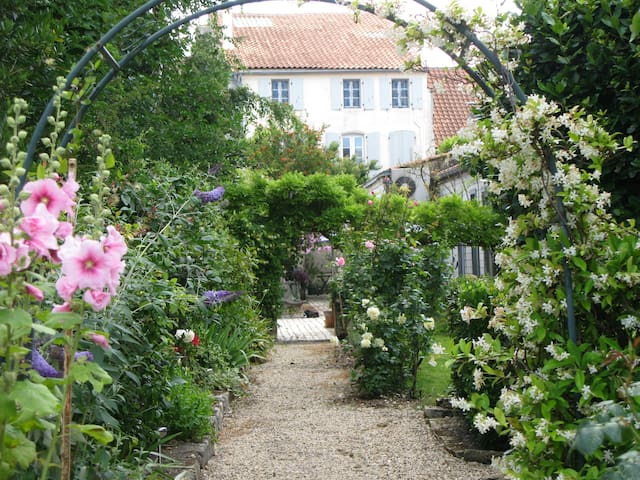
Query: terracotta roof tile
452, 101
331, 41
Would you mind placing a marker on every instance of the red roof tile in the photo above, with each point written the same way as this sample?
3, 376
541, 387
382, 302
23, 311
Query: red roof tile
452, 101
331, 41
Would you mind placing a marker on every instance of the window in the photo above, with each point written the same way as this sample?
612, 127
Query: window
280, 91
400, 93
351, 93
353, 146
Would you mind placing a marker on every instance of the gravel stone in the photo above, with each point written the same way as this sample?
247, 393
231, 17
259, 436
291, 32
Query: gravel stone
301, 420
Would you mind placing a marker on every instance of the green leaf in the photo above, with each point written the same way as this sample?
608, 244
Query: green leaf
17, 320
38, 327
579, 379
90, 372
23, 453
95, 431
500, 417
7, 408
110, 161
635, 30
64, 321
589, 438
34, 397
580, 263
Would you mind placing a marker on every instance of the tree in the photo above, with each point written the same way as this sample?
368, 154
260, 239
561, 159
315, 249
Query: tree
586, 53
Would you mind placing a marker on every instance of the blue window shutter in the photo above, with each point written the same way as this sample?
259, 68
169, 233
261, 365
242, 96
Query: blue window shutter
336, 93
401, 146
385, 93
264, 87
372, 147
331, 137
368, 99
416, 93
297, 100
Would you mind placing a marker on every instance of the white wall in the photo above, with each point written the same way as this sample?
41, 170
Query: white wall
311, 95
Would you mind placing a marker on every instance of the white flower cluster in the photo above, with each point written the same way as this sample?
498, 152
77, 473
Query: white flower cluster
460, 403
483, 423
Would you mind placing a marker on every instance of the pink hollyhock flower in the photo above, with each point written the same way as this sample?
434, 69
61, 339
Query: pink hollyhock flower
100, 340
114, 243
46, 192
40, 227
66, 287
64, 230
34, 291
85, 261
369, 244
70, 187
8, 254
340, 261
64, 308
23, 260
97, 299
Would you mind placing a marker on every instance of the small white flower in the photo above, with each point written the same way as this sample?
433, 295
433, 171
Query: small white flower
437, 349
365, 302
429, 323
365, 343
460, 403
484, 423
378, 343
402, 319
478, 379
185, 336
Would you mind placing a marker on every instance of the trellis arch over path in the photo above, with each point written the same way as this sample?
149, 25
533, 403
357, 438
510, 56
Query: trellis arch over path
100, 47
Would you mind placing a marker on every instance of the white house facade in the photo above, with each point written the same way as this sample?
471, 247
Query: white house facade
339, 75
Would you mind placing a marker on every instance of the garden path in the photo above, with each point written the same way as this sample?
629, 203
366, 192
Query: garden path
301, 420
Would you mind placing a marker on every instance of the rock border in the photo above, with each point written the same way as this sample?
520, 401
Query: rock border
190, 458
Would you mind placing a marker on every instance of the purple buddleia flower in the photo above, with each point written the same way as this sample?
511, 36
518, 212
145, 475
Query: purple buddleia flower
43, 367
213, 297
86, 355
212, 196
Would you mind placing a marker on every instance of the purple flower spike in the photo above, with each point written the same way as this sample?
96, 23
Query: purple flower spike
212, 196
86, 355
213, 297
41, 366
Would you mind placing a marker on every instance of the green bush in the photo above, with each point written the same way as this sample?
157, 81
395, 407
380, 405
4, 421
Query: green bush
188, 411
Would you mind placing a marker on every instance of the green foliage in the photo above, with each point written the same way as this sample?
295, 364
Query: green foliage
188, 412
584, 53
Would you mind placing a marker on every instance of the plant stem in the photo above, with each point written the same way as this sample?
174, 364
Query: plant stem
65, 454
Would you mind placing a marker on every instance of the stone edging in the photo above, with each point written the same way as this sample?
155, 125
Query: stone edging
191, 458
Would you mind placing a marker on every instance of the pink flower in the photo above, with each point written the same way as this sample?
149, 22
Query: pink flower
46, 192
34, 291
40, 227
369, 202
114, 243
8, 254
64, 230
70, 187
99, 340
85, 261
66, 287
369, 244
340, 261
64, 308
97, 299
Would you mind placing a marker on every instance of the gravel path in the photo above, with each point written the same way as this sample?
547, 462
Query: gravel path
301, 421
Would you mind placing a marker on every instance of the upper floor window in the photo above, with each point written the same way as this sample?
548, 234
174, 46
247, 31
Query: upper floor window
280, 91
353, 146
400, 93
351, 93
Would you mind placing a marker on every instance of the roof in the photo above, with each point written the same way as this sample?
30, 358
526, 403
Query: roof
452, 101
322, 41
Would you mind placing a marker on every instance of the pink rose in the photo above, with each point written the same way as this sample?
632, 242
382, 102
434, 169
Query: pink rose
340, 261
369, 244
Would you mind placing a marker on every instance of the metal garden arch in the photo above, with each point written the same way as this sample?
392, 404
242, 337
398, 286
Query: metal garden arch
100, 47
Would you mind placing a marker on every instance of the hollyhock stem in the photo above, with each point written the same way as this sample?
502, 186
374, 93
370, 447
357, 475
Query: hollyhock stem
65, 454
71, 176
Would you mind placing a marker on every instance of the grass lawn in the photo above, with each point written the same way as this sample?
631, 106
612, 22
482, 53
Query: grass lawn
433, 382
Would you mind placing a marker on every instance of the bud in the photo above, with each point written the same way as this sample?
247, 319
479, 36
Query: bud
20, 171
22, 134
21, 119
5, 163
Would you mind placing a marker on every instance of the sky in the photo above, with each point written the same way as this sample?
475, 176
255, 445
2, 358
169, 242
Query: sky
436, 58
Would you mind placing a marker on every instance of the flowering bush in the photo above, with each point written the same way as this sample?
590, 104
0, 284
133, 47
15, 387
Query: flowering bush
41, 255
548, 381
391, 291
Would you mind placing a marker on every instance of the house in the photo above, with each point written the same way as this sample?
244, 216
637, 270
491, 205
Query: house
341, 73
